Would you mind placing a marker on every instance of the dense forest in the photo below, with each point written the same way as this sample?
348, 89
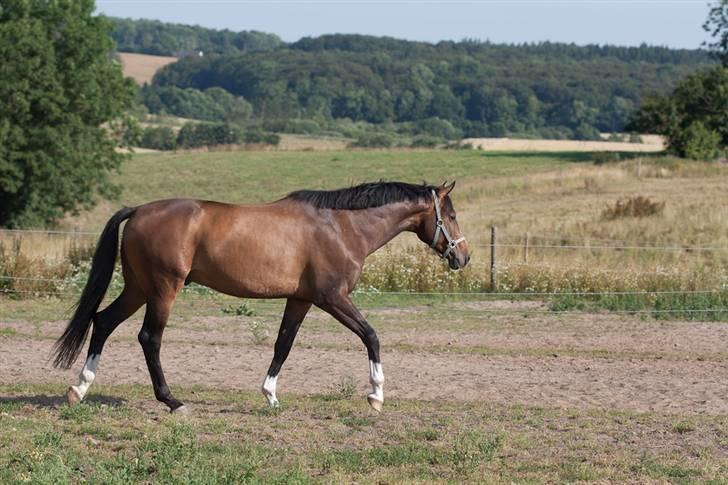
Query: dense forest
166, 39
479, 88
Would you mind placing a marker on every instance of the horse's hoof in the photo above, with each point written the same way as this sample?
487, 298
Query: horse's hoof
72, 397
182, 411
376, 404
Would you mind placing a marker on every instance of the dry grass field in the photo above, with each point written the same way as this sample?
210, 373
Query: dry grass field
142, 67
650, 143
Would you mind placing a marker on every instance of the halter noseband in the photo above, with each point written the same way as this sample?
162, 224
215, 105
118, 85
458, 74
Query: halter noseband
440, 227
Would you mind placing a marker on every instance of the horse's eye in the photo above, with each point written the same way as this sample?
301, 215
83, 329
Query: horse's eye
452, 217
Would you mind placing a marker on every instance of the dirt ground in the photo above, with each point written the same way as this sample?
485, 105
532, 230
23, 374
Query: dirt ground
581, 361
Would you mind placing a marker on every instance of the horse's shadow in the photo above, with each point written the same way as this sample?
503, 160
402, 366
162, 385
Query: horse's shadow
56, 401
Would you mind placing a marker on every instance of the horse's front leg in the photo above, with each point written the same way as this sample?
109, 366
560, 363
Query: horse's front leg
293, 315
342, 308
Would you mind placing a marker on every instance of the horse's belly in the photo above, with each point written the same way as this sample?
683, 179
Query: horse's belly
250, 281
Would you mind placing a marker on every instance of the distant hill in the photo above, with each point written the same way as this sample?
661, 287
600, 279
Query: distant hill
167, 39
478, 89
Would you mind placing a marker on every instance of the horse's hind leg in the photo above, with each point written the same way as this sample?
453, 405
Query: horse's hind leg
105, 322
293, 315
150, 338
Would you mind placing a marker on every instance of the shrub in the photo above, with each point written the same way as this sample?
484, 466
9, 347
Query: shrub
635, 137
255, 136
438, 127
194, 135
700, 142
600, 158
158, 138
638, 206
374, 140
616, 137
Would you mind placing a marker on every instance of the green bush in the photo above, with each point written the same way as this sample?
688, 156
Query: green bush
700, 142
212, 104
158, 138
615, 137
635, 137
255, 136
374, 140
194, 135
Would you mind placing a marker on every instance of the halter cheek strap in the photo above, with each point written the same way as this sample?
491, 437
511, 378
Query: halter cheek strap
440, 227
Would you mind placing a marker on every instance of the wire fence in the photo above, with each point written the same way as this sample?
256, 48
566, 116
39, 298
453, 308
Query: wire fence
515, 241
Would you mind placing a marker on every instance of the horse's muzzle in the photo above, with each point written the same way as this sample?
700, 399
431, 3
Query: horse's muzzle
458, 262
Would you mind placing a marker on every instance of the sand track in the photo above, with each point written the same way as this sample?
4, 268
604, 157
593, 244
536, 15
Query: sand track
584, 361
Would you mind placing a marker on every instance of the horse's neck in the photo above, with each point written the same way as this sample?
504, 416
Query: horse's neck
380, 225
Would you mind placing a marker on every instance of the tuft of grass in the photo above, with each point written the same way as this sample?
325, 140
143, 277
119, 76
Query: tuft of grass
242, 309
683, 427
345, 388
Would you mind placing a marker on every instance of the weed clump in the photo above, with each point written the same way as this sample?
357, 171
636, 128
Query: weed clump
638, 206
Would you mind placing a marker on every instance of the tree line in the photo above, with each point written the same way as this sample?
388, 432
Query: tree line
548, 90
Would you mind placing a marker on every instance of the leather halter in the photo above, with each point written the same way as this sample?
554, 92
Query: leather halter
440, 227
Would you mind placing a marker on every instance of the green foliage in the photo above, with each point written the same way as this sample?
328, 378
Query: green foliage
699, 142
478, 89
374, 140
717, 26
212, 104
193, 135
62, 101
240, 310
667, 306
259, 137
694, 117
635, 137
158, 138
167, 39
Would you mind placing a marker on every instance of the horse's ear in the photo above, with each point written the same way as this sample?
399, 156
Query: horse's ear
445, 189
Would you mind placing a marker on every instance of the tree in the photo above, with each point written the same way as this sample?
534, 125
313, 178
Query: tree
62, 104
717, 26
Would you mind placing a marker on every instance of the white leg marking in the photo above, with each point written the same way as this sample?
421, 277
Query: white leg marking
87, 376
376, 378
269, 390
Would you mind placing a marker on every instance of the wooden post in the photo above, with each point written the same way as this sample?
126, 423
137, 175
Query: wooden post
493, 277
525, 249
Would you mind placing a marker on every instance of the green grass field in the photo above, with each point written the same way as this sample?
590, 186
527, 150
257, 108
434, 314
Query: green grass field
262, 176
332, 438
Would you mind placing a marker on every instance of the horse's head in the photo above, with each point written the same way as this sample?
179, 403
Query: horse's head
439, 228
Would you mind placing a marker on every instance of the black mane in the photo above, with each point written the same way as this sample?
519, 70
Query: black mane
364, 196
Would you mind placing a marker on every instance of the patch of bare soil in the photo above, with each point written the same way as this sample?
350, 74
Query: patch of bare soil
579, 361
142, 67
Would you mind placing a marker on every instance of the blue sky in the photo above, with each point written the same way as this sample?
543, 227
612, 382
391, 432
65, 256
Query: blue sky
620, 22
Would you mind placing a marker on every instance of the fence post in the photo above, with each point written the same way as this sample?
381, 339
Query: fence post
493, 277
525, 249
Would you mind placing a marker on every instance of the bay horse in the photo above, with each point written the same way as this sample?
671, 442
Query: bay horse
308, 247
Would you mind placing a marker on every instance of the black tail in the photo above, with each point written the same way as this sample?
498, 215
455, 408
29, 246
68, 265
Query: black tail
68, 346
